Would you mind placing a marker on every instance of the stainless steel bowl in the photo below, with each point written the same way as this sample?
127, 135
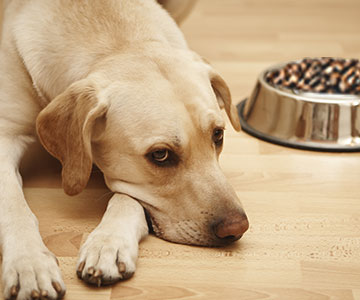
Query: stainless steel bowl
313, 121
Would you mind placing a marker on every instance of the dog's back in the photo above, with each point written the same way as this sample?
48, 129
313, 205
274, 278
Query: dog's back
59, 42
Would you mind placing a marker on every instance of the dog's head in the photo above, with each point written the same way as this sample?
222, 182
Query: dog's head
153, 124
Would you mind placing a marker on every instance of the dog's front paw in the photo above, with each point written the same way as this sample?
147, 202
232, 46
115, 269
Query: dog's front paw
32, 274
107, 258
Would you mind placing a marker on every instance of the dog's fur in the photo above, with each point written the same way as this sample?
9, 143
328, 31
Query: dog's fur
112, 83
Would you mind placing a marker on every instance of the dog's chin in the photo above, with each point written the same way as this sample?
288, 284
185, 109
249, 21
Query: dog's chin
211, 243
185, 232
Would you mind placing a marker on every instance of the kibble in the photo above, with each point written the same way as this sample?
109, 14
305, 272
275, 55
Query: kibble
318, 75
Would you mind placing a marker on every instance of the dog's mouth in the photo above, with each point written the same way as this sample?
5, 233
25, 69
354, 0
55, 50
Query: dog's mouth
153, 226
149, 221
188, 232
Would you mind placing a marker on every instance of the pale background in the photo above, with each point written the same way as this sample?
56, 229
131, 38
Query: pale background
304, 207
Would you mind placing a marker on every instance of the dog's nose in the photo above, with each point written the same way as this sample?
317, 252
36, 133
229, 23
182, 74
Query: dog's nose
232, 227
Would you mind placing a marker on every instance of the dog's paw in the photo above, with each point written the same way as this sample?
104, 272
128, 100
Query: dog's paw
32, 275
107, 258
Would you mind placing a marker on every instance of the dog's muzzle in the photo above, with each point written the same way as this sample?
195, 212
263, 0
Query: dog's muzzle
206, 232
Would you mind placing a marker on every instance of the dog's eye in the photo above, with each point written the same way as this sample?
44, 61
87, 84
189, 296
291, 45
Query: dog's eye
163, 157
160, 156
218, 136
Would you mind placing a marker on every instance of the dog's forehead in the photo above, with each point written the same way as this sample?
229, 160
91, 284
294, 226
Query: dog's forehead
147, 125
163, 104
211, 119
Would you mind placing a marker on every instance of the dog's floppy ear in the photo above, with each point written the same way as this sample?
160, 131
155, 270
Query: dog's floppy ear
221, 91
65, 127
223, 96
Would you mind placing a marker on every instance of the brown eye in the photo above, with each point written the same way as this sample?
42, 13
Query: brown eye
218, 137
160, 156
163, 157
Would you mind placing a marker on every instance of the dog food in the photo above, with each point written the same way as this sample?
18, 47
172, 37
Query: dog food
318, 75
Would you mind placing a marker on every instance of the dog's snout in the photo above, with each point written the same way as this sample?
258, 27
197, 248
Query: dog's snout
232, 227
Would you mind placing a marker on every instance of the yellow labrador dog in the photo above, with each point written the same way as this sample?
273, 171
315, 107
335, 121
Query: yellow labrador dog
111, 83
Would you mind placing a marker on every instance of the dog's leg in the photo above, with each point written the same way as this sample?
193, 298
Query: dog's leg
29, 269
110, 252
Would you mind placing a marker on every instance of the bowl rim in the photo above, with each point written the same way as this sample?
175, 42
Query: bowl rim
300, 145
308, 97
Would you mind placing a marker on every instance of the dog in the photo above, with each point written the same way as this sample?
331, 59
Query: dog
111, 83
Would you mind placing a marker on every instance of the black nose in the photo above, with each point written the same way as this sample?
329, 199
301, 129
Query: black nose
232, 227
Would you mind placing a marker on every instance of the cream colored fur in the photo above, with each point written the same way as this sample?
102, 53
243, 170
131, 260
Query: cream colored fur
111, 83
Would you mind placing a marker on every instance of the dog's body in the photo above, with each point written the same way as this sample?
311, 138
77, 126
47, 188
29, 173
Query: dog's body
114, 83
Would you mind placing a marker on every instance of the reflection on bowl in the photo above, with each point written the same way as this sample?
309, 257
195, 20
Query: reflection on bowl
314, 121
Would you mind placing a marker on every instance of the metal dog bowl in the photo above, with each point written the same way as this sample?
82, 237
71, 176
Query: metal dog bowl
313, 121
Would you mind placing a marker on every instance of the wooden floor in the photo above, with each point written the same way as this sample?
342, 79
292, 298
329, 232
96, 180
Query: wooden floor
304, 207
